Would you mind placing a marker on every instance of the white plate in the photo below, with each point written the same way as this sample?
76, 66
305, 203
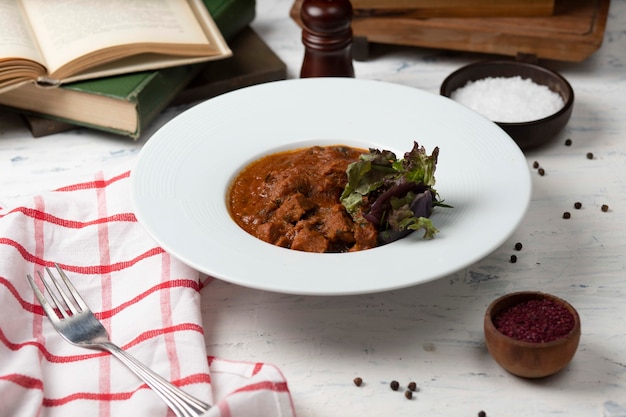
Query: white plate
183, 173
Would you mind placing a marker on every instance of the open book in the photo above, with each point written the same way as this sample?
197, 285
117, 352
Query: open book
54, 42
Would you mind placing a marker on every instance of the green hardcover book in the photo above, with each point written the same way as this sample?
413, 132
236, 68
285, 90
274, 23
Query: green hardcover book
125, 104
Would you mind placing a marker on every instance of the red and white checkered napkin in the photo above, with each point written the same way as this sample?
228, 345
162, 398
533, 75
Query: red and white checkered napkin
147, 300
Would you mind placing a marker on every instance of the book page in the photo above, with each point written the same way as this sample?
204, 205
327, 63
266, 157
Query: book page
16, 39
67, 29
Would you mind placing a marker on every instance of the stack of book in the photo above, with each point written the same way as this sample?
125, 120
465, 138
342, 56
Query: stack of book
181, 51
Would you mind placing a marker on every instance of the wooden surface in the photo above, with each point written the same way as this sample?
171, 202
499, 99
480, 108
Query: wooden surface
327, 38
430, 333
572, 33
455, 8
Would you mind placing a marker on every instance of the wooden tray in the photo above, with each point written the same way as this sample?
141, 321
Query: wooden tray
572, 33
455, 8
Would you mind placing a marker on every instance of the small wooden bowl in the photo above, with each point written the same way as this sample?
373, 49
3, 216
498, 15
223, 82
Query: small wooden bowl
532, 133
529, 359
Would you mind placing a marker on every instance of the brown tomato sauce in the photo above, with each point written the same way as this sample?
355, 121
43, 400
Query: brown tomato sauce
291, 199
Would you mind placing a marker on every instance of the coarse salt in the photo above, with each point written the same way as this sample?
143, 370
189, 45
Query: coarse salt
509, 99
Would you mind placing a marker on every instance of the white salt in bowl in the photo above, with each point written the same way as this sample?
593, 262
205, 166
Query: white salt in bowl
538, 90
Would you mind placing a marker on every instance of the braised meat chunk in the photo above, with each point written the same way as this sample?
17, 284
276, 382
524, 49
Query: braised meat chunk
291, 199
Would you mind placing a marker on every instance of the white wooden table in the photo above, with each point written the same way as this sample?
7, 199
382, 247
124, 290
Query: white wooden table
431, 333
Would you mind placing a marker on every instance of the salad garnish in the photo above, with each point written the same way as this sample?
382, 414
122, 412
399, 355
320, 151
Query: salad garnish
396, 195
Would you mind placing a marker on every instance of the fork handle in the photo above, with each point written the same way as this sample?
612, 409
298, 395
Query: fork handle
183, 404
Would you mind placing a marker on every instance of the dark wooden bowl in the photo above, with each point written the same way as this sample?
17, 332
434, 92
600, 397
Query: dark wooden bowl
529, 359
526, 134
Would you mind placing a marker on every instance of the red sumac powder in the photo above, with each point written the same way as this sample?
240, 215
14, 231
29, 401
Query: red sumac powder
537, 321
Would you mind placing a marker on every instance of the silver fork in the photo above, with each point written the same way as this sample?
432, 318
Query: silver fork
80, 327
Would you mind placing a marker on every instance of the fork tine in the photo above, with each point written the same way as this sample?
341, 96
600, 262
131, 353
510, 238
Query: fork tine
69, 302
75, 294
51, 293
52, 315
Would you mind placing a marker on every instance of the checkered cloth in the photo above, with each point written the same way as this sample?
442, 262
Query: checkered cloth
148, 301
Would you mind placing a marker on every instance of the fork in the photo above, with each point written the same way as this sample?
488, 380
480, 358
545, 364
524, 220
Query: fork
78, 325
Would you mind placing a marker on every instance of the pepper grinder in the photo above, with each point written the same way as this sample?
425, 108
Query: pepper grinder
327, 38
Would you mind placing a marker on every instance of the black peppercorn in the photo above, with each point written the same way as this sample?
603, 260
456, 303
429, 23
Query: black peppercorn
358, 381
567, 215
542, 172
481, 413
568, 142
412, 386
604, 208
589, 155
518, 246
535, 164
513, 259
408, 395
394, 385
578, 205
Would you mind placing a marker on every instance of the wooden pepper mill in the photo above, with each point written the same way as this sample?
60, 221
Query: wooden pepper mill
327, 38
